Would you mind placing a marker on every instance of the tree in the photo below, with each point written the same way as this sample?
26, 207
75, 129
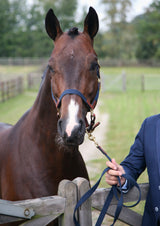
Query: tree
65, 10
147, 27
12, 20
6, 27
119, 35
22, 28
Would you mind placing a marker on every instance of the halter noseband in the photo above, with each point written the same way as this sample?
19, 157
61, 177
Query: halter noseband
90, 105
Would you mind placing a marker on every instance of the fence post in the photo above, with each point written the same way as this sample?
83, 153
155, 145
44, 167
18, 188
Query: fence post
10, 88
142, 83
67, 189
20, 85
7, 89
85, 213
2, 91
29, 81
123, 81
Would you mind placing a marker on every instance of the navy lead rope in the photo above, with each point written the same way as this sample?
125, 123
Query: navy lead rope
113, 192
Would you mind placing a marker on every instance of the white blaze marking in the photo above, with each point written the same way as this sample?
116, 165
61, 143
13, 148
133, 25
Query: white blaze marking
72, 117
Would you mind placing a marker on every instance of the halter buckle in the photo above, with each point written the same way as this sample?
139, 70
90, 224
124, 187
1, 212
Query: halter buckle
91, 127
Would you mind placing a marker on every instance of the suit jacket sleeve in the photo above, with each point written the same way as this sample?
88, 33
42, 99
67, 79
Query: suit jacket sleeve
134, 164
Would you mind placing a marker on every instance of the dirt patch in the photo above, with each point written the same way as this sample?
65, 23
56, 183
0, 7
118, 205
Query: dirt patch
88, 148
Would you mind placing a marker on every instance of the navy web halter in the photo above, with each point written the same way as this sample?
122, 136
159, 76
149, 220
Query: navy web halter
90, 105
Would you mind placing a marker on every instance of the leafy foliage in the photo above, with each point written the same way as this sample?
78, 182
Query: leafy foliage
22, 30
148, 32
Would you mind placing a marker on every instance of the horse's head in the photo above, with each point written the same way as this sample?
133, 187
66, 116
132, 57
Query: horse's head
74, 74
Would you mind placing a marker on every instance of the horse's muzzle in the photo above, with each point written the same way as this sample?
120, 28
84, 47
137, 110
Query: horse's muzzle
74, 136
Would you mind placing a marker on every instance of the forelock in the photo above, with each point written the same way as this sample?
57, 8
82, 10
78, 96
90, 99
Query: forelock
73, 32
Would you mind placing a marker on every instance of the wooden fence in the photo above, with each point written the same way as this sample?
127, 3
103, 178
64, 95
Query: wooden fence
13, 87
123, 82
10, 88
33, 80
22, 61
130, 82
62, 206
103, 62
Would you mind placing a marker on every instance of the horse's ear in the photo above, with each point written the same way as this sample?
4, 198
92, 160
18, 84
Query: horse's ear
52, 25
91, 23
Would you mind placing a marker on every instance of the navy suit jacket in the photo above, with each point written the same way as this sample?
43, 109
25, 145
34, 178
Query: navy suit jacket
145, 152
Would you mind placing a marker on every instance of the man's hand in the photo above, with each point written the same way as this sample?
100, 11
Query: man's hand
115, 171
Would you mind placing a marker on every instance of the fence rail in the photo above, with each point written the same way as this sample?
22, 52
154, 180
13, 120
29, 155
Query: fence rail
10, 88
103, 62
22, 61
123, 82
33, 80
62, 206
13, 87
127, 82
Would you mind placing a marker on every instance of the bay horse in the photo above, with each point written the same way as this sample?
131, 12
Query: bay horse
41, 149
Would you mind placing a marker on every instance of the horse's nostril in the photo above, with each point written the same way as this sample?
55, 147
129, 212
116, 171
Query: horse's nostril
72, 134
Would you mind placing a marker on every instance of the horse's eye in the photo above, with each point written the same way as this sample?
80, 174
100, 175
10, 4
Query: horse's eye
94, 66
51, 69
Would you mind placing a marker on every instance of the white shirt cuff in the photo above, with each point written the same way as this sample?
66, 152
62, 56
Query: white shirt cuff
124, 187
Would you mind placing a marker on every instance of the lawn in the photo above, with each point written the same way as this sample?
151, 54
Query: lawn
13, 109
126, 110
10, 72
113, 78
130, 70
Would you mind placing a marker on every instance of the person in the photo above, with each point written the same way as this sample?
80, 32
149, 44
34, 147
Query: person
145, 152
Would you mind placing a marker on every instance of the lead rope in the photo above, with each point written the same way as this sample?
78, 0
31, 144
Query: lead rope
113, 191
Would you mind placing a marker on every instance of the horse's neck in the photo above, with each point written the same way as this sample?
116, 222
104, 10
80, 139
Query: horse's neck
44, 113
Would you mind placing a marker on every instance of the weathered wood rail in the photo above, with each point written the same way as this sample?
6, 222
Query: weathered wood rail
33, 80
47, 209
10, 88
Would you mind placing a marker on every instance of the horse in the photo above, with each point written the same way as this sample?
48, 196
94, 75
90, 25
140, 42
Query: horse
41, 149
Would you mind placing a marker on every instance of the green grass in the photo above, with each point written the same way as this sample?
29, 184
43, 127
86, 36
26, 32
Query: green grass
130, 70
126, 110
13, 109
10, 72
126, 114
112, 78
